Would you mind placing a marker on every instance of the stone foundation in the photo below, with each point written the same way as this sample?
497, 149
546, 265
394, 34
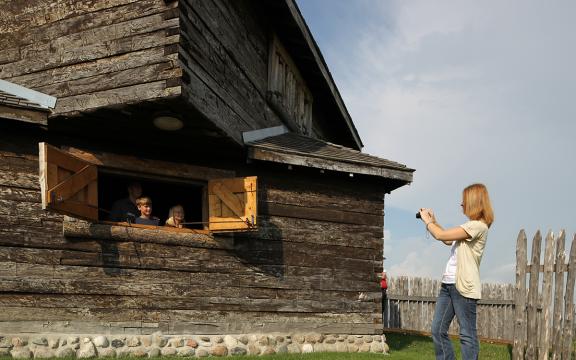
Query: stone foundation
155, 345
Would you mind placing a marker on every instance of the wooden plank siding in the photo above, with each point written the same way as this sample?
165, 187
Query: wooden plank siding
319, 239
213, 54
92, 54
297, 273
224, 53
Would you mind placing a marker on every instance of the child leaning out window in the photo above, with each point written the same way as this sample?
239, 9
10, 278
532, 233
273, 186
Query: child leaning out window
175, 217
144, 204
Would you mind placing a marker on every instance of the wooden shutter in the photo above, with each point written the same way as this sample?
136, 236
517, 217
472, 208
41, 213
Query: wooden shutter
69, 185
232, 204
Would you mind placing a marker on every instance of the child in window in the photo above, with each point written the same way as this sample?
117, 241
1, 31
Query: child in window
144, 204
175, 217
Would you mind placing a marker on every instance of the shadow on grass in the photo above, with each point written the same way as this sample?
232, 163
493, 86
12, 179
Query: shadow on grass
401, 341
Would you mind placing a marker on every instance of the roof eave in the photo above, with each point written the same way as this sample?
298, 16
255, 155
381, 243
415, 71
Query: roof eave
17, 113
402, 175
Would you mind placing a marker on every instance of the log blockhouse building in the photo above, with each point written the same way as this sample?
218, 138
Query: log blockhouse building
225, 107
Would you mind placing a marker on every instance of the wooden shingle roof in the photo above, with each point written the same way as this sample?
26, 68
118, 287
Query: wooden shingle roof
22, 104
17, 101
295, 149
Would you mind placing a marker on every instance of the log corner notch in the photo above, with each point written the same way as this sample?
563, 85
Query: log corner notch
80, 229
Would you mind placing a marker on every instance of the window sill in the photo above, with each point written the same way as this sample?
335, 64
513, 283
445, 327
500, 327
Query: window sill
121, 231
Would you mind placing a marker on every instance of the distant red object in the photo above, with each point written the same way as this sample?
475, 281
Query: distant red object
383, 283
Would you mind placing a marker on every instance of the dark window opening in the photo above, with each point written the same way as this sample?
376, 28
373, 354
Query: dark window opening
164, 195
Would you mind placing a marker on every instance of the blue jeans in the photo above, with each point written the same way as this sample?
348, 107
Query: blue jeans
448, 304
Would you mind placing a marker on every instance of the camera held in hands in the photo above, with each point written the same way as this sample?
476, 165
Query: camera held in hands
418, 215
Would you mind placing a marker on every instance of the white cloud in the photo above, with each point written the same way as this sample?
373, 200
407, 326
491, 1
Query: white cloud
465, 91
499, 274
414, 256
388, 245
414, 264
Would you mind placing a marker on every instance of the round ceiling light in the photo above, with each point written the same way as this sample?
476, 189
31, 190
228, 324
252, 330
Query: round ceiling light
168, 123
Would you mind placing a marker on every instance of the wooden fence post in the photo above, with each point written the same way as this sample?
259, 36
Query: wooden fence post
403, 306
546, 297
569, 303
558, 296
532, 335
520, 298
393, 286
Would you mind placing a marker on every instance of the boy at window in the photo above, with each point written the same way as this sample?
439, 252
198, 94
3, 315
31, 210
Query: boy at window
125, 209
144, 205
175, 217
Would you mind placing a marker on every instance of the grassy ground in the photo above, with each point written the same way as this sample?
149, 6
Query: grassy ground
402, 347
405, 347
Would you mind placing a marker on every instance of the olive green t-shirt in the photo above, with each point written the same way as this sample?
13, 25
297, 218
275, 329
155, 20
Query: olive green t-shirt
469, 255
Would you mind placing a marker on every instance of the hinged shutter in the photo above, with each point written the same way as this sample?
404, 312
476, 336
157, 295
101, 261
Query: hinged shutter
232, 204
69, 185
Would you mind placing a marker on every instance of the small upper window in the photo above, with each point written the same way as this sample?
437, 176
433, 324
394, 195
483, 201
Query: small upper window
287, 91
75, 187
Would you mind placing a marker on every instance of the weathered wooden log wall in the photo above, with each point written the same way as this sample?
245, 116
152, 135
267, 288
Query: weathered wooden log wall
330, 237
224, 57
91, 54
319, 242
115, 52
318, 246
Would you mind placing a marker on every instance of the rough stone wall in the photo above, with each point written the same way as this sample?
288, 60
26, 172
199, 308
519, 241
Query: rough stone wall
157, 344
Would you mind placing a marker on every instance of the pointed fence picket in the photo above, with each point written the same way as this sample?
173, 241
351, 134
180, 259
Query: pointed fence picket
544, 325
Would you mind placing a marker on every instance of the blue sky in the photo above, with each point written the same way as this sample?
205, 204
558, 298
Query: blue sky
463, 91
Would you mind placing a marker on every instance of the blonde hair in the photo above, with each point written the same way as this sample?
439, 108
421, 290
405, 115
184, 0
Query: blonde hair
143, 200
476, 204
171, 211
170, 221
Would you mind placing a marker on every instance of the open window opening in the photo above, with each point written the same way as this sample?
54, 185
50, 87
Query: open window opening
86, 187
164, 193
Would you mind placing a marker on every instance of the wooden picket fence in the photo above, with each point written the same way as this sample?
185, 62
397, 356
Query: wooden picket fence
548, 332
538, 319
411, 302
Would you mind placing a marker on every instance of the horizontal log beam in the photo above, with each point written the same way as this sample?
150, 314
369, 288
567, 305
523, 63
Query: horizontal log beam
156, 167
563, 267
433, 299
141, 233
339, 216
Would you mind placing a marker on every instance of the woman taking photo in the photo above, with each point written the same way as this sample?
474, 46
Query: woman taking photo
461, 279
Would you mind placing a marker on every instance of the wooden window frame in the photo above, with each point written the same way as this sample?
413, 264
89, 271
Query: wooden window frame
155, 169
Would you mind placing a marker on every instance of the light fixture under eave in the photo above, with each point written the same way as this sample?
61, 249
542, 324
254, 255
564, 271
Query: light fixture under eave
168, 123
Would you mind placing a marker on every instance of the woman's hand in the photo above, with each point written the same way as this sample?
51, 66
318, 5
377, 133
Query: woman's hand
427, 216
446, 236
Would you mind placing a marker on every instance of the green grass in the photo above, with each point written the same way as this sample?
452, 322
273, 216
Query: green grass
319, 356
412, 347
402, 347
